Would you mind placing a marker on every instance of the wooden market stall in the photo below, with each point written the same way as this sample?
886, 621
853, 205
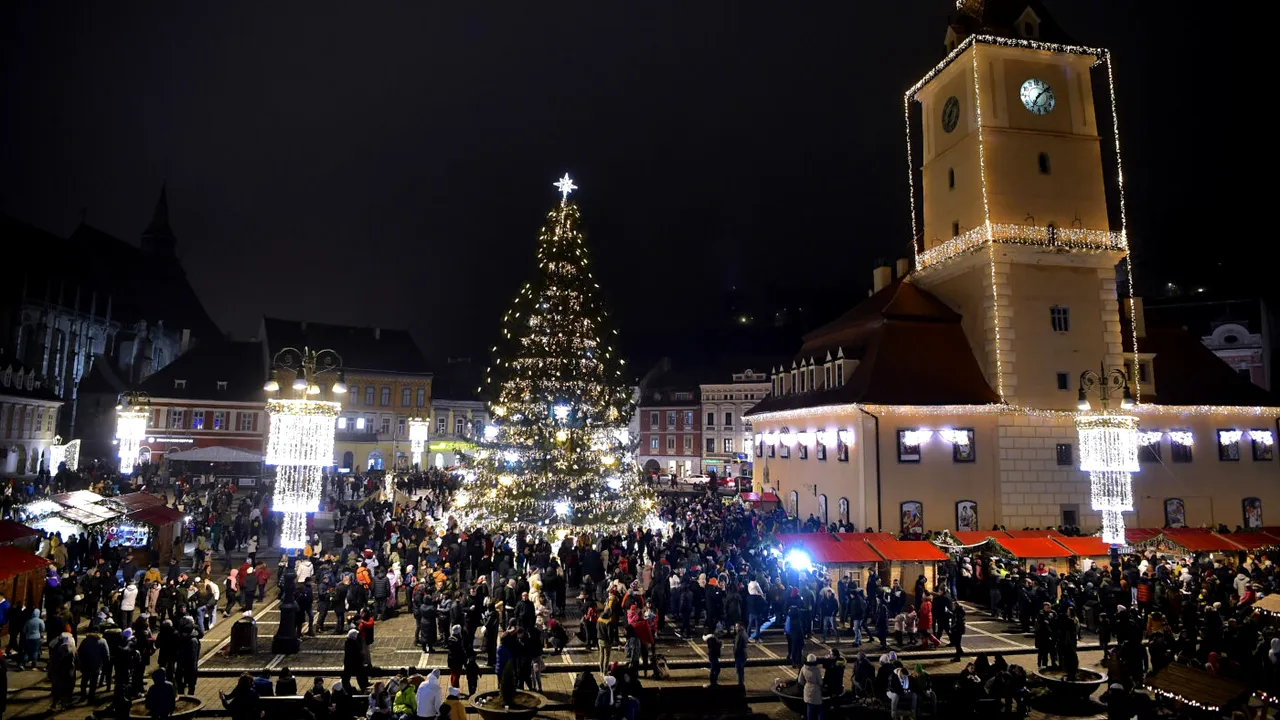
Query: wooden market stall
157, 529
765, 502
1256, 542
838, 555
19, 535
1133, 536
1047, 532
1086, 551
1193, 541
1197, 689
971, 538
906, 560
1035, 551
22, 576
129, 502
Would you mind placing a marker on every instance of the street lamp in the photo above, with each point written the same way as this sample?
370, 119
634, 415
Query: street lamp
1108, 452
132, 411
300, 446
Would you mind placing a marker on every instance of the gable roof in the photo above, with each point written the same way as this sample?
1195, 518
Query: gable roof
1000, 18
900, 336
238, 364
1185, 372
361, 348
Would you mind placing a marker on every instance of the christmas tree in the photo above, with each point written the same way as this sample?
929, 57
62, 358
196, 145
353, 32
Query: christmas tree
558, 452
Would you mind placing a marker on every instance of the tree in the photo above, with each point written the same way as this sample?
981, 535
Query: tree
558, 451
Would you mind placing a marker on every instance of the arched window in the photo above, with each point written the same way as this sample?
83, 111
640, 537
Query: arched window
822, 510
1043, 161
439, 461
844, 510
348, 460
375, 461
795, 504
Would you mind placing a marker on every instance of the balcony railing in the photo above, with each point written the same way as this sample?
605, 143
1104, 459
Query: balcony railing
358, 436
1048, 237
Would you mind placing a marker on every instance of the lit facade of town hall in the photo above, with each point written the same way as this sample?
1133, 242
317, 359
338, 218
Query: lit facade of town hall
948, 399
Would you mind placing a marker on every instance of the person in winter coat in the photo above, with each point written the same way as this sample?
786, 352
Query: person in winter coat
231, 589
243, 702
353, 661
62, 670
713, 655
248, 590
925, 623
428, 632
810, 678
381, 591
958, 628
128, 602
857, 614
286, 684
91, 656
161, 696
263, 576
166, 648
457, 655
429, 696
882, 625
740, 653
32, 637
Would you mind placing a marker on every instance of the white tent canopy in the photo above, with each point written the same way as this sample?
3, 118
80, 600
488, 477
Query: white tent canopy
217, 454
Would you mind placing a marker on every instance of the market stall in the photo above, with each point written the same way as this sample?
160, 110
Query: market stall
840, 557
134, 501
22, 576
1048, 532
78, 498
906, 560
220, 462
1256, 542
1198, 690
1036, 551
765, 502
20, 536
1086, 551
156, 528
1191, 541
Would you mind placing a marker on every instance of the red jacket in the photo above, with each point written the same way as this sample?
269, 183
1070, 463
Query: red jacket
926, 615
640, 627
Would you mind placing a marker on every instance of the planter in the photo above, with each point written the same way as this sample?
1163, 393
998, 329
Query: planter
1077, 691
526, 705
791, 695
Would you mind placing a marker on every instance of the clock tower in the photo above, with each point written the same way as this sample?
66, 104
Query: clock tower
1012, 229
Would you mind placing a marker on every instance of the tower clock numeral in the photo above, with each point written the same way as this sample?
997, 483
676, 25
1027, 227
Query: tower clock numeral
950, 113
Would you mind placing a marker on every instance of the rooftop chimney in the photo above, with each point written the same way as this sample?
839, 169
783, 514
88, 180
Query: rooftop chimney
902, 267
377, 333
881, 278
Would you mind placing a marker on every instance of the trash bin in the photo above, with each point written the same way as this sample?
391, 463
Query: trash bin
244, 636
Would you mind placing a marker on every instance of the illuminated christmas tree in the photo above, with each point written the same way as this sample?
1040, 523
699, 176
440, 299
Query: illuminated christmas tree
558, 451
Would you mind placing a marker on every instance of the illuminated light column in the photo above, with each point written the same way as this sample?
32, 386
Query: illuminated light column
1109, 453
300, 446
69, 454
419, 429
131, 427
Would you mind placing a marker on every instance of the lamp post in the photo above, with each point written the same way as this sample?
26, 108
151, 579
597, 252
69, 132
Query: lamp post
1108, 452
300, 446
132, 412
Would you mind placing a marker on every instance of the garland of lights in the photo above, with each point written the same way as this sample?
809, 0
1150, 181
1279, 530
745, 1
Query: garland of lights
300, 446
1018, 234
131, 428
853, 409
557, 453
68, 453
1109, 453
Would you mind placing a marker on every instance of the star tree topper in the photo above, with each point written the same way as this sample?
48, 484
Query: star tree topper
566, 186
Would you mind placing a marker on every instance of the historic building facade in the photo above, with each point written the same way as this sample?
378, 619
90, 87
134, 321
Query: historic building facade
458, 416
726, 431
28, 418
948, 399
670, 422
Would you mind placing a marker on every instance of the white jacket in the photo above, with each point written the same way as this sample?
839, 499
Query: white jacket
129, 598
429, 696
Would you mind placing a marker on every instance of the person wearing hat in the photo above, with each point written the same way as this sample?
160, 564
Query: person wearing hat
453, 707
810, 679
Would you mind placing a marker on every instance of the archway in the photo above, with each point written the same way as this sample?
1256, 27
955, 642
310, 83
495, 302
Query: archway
439, 461
653, 467
375, 461
348, 461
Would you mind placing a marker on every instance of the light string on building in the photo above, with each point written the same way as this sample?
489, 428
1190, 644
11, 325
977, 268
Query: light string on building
986, 223
851, 410
1081, 239
300, 445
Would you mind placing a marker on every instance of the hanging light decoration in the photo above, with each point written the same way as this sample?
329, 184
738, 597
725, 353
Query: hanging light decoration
131, 427
68, 453
419, 429
1109, 453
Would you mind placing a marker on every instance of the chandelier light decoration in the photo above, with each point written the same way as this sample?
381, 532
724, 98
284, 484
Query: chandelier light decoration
1108, 450
131, 427
301, 441
419, 429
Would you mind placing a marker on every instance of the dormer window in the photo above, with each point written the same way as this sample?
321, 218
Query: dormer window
222, 384
179, 384
1028, 25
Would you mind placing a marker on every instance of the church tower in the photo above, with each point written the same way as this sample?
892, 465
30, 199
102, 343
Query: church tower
158, 237
1013, 229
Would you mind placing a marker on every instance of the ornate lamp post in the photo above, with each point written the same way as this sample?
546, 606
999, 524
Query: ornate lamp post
1108, 452
132, 412
300, 446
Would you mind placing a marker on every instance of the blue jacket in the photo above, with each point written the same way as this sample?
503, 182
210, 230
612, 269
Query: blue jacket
34, 629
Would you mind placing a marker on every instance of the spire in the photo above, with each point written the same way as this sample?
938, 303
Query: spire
158, 237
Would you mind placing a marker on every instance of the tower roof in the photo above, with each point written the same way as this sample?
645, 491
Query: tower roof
159, 237
1017, 19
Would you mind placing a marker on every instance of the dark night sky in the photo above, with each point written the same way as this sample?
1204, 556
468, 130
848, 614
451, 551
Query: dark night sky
402, 154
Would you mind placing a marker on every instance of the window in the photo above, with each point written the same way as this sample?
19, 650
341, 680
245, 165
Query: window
671, 420
688, 418
179, 384
405, 395
354, 394
385, 396
342, 423
671, 443
728, 419
772, 450
422, 397
219, 420
801, 389
1142, 371
964, 452
840, 373
1062, 451
365, 423
821, 450
1043, 161
175, 419
1245, 373
48, 421
1179, 452
1229, 445
844, 510
728, 445
812, 385
1263, 445
908, 446
951, 178
653, 443
955, 228
794, 499
842, 448
784, 451
246, 421
441, 423
459, 425
221, 385
826, 377
653, 420
197, 420
400, 420
802, 451
1148, 452
1060, 318
1070, 518
1175, 513
746, 447
711, 445
711, 419
1064, 383
1028, 30
384, 426
822, 510
368, 395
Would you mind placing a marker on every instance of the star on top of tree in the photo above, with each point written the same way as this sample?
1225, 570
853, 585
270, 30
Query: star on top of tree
565, 186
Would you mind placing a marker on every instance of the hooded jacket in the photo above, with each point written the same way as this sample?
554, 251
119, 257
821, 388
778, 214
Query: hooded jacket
129, 597
429, 696
34, 629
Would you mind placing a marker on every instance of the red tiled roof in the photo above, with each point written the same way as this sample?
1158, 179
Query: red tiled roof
1041, 547
1188, 373
1033, 533
973, 537
1090, 546
157, 515
1195, 540
907, 550
824, 548
899, 335
1254, 540
10, 531
14, 562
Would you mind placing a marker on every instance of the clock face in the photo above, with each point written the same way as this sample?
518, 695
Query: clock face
1037, 96
950, 113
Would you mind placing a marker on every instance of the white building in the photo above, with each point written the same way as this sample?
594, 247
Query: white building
726, 434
